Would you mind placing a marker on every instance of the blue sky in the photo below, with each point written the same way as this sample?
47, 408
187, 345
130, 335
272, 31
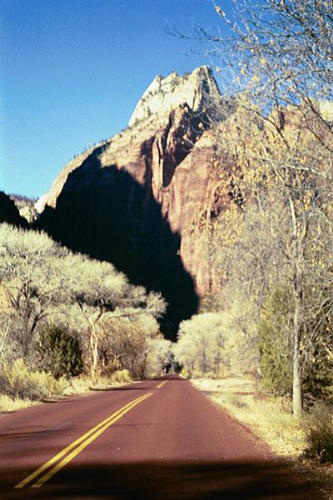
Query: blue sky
71, 72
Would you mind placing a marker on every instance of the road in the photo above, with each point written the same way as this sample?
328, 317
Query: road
158, 439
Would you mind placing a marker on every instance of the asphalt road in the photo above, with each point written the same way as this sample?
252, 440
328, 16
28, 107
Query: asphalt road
159, 439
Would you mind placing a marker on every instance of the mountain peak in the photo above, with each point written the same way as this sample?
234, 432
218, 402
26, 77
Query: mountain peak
196, 90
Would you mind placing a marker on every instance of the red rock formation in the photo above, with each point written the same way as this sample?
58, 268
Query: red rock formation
168, 154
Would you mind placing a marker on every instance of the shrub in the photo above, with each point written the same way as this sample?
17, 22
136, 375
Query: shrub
121, 376
18, 381
319, 432
275, 343
60, 352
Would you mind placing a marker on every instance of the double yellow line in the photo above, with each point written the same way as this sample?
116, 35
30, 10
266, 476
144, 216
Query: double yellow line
55, 464
159, 386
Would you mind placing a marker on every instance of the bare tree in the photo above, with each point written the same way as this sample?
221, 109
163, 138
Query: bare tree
277, 59
287, 178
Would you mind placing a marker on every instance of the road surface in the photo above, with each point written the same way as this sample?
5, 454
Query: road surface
159, 439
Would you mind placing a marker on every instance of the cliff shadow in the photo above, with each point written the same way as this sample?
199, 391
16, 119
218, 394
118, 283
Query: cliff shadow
169, 480
105, 213
9, 213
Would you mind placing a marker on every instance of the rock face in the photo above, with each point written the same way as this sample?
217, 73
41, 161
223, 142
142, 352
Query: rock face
26, 208
9, 212
136, 199
196, 90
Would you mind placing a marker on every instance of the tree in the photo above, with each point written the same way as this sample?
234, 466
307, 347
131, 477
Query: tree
280, 66
279, 53
32, 282
43, 283
133, 343
278, 234
101, 293
200, 345
275, 342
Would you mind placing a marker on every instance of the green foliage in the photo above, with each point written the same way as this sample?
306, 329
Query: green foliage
275, 343
318, 358
60, 352
318, 375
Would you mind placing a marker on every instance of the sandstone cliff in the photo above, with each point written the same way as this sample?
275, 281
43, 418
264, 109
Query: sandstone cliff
136, 199
197, 90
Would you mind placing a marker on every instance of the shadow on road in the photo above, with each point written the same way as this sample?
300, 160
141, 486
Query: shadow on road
165, 480
173, 376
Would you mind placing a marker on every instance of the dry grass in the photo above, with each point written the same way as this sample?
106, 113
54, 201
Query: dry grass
18, 382
85, 384
20, 387
270, 418
8, 404
319, 433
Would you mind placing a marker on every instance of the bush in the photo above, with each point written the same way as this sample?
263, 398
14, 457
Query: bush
275, 343
60, 352
18, 381
121, 376
319, 433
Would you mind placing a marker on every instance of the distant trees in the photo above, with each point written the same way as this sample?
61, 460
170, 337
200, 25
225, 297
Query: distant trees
101, 294
215, 345
200, 345
48, 292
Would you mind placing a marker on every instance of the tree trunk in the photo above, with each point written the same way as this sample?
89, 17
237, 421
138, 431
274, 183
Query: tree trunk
300, 227
297, 378
94, 350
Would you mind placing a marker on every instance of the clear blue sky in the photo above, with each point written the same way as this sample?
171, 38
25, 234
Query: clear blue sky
71, 72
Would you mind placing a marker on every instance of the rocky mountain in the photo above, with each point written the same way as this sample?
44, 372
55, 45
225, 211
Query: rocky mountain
198, 90
137, 199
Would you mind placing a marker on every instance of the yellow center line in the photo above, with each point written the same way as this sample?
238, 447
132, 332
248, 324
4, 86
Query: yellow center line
85, 440
159, 386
